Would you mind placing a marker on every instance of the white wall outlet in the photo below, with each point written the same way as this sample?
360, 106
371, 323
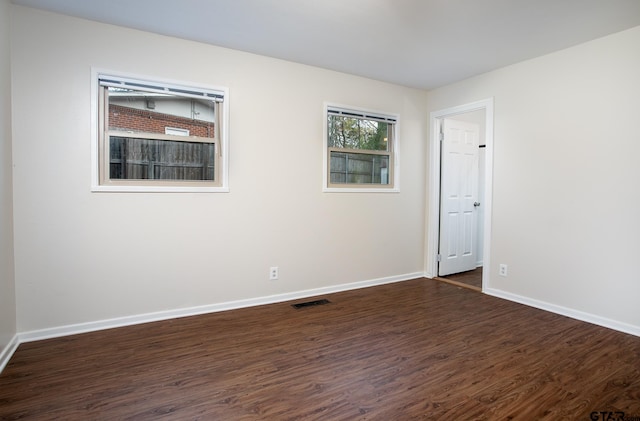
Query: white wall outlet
273, 273
502, 270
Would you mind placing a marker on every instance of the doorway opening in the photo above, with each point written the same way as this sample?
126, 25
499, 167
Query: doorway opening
463, 262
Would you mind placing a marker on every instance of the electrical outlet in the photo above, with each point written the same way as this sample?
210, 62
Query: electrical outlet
273, 273
503, 270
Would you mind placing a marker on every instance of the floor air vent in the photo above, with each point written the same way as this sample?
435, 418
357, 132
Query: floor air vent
311, 303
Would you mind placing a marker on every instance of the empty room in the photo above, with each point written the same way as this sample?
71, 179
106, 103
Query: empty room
305, 210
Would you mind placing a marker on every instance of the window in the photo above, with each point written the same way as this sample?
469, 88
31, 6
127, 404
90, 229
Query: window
360, 151
154, 136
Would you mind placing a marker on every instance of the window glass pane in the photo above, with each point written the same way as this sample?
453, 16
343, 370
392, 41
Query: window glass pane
150, 112
157, 136
359, 168
152, 159
357, 133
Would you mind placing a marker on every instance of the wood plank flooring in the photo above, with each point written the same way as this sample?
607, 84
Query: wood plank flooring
419, 349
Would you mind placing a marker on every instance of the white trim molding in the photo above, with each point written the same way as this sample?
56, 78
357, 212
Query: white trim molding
395, 151
564, 311
433, 221
54, 332
8, 351
222, 127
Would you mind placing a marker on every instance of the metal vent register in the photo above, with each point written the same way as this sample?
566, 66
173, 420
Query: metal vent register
311, 303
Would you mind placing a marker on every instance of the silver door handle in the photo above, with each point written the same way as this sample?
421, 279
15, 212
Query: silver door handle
476, 204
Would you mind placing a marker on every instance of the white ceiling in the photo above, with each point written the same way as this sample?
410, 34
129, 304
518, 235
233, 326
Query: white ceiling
416, 43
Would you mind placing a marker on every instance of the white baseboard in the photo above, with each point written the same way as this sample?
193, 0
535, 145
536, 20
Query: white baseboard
54, 332
35, 335
8, 351
564, 311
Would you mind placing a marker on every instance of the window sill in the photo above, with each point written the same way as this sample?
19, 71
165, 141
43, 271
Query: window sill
158, 189
360, 190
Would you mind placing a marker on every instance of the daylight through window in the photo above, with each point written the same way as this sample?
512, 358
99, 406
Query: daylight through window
158, 135
360, 148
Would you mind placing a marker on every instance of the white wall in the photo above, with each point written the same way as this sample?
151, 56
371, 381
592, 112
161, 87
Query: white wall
7, 285
83, 257
565, 178
564, 194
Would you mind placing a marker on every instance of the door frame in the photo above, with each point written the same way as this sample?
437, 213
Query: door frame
433, 223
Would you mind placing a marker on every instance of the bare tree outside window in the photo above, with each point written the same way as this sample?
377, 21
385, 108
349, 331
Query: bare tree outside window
359, 148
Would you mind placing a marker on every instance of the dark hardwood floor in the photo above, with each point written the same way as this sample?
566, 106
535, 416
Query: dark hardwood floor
419, 349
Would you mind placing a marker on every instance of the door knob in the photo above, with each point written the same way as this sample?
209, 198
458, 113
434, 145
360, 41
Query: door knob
476, 204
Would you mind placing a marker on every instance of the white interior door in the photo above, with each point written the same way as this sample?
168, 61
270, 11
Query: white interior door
458, 196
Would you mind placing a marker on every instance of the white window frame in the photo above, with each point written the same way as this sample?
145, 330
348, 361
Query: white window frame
222, 139
394, 155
